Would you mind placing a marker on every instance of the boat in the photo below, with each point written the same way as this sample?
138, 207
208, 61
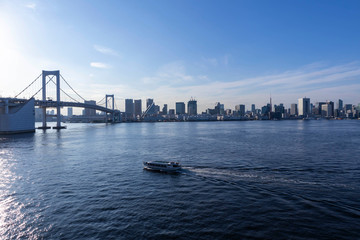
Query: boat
162, 166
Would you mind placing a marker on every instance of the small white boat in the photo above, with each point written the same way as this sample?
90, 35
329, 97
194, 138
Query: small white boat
162, 166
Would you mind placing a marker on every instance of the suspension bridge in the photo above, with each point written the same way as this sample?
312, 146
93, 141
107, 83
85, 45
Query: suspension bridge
64, 97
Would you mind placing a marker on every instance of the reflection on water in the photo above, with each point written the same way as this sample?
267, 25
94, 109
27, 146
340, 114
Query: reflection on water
284, 179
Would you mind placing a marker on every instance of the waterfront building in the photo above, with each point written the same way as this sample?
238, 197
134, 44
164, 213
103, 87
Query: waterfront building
294, 109
157, 109
253, 109
326, 110
339, 104
88, 111
279, 111
149, 101
192, 107
265, 110
240, 109
304, 107
347, 107
180, 107
164, 110
332, 106
137, 107
129, 108
70, 112
171, 111
219, 108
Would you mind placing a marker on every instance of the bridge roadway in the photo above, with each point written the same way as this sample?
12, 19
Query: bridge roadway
53, 104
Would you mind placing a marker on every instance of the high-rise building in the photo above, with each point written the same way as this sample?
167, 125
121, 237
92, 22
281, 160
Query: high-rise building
253, 109
240, 109
348, 107
294, 109
157, 109
70, 111
339, 104
180, 108
192, 107
129, 108
90, 111
219, 108
327, 110
304, 107
149, 101
137, 107
164, 110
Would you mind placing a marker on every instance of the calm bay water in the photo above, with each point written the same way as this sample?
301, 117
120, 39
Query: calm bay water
241, 180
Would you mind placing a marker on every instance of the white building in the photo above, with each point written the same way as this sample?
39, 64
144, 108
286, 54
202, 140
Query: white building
304, 107
326, 110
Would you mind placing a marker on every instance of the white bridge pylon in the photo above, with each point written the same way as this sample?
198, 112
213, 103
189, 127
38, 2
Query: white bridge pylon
58, 114
106, 103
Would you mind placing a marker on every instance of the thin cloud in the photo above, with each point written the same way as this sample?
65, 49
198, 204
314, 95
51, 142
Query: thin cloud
317, 82
31, 6
105, 50
173, 74
99, 65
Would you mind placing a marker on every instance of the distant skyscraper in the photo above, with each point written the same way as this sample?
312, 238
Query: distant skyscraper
294, 109
129, 108
240, 109
180, 108
89, 111
219, 108
253, 109
164, 110
304, 107
137, 107
171, 111
157, 109
339, 104
149, 101
192, 107
327, 110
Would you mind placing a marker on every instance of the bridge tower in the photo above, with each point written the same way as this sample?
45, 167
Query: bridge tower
106, 101
58, 115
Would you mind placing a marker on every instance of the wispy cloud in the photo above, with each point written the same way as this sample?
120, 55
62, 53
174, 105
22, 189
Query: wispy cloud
317, 81
31, 6
172, 82
105, 50
173, 74
210, 61
99, 65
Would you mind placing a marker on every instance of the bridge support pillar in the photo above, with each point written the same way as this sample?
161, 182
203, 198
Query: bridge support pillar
113, 107
44, 99
58, 113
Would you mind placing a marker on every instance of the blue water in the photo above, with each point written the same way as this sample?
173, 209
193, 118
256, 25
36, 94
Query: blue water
241, 180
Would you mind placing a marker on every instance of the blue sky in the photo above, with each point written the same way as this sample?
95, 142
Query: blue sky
235, 52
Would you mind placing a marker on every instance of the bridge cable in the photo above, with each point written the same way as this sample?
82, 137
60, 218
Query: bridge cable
100, 102
115, 105
29, 86
66, 93
72, 88
41, 87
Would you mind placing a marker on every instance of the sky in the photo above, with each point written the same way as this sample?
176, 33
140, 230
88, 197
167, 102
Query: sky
233, 52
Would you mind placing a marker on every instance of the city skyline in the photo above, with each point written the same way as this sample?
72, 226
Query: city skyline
235, 53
